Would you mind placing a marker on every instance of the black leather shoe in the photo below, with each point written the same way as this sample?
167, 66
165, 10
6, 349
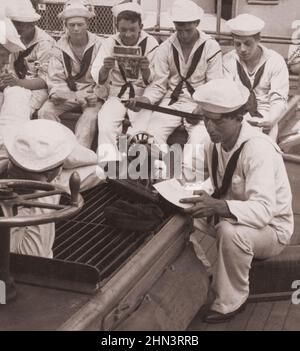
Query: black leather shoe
217, 317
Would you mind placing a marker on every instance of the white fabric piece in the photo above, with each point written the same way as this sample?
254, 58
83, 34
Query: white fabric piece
39, 145
245, 25
127, 6
76, 8
21, 11
166, 76
221, 96
237, 245
185, 11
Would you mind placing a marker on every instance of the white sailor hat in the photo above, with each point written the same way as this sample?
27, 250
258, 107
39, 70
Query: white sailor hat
76, 8
128, 6
186, 11
221, 96
10, 39
39, 145
245, 25
21, 11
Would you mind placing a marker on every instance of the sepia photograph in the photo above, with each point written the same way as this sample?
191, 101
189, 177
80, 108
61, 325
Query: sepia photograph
150, 168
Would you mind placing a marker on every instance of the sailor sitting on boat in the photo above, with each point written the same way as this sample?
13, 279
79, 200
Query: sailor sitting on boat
69, 80
261, 70
28, 68
250, 211
38, 150
118, 79
183, 62
14, 101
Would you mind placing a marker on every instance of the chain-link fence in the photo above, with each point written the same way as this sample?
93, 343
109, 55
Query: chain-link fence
102, 23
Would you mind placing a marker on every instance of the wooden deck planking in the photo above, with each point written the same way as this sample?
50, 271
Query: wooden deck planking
292, 321
240, 321
259, 316
277, 316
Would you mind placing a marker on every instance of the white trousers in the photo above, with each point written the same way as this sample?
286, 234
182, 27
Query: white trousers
86, 125
237, 245
38, 98
110, 119
163, 125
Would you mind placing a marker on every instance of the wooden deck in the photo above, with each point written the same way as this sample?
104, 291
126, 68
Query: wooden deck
258, 316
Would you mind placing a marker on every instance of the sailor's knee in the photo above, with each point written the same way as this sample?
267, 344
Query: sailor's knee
225, 233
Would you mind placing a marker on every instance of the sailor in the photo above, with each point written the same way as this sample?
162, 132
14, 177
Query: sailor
263, 71
118, 83
41, 150
183, 62
69, 74
28, 68
250, 211
14, 101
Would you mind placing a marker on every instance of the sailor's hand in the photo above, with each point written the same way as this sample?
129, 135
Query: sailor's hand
8, 80
197, 112
203, 204
144, 63
193, 121
108, 64
56, 99
91, 98
266, 126
132, 103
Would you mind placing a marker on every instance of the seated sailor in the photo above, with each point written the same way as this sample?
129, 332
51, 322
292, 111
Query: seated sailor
69, 73
14, 101
121, 77
250, 212
183, 62
28, 68
263, 71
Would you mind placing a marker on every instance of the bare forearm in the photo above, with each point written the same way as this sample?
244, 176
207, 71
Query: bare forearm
222, 209
276, 110
32, 84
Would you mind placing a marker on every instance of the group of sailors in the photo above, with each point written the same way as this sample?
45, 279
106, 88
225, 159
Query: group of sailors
242, 96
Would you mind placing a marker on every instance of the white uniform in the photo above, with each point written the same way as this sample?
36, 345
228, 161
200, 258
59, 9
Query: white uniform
57, 76
273, 87
167, 78
15, 108
37, 64
260, 199
112, 113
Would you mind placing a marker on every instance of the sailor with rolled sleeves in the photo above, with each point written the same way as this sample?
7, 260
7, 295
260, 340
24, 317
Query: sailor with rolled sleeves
183, 62
263, 71
117, 83
28, 68
250, 212
69, 80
